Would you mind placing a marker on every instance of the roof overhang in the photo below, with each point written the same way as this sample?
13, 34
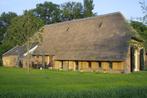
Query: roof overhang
137, 39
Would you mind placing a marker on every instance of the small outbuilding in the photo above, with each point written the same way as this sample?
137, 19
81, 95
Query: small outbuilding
16, 57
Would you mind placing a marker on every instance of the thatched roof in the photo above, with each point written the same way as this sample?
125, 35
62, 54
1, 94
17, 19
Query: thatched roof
18, 50
102, 37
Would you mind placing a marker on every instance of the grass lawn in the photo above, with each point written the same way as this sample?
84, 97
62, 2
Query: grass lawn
19, 83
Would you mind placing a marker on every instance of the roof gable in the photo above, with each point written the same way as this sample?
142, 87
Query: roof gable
18, 50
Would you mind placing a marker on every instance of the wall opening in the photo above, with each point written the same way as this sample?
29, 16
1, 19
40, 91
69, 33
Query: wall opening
89, 65
61, 64
141, 59
77, 66
110, 65
100, 64
20, 64
132, 58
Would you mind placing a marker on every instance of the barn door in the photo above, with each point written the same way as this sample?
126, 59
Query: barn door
141, 59
132, 58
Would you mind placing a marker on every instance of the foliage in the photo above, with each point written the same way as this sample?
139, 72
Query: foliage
88, 7
21, 29
52, 13
7, 17
60, 84
48, 12
144, 10
5, 20
71, 10
139, 26
75, 10
141, 29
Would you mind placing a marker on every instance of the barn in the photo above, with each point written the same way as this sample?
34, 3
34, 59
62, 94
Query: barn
105, 43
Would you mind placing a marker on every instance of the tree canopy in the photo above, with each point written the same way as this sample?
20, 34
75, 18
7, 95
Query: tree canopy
88, 7
141, 29
21, 29
48, 12
5, 20
71, 10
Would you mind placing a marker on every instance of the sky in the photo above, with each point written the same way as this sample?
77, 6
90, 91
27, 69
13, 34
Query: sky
129, 8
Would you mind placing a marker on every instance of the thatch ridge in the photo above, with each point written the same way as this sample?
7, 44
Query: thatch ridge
82, 19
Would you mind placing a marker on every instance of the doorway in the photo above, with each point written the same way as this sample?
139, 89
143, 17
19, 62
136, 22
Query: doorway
77, 66
20, 64
141, 59
132, 59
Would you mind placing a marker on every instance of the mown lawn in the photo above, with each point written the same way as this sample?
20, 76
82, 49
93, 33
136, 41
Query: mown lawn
19, 83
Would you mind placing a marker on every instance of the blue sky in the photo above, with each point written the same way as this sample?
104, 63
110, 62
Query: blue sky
129, 8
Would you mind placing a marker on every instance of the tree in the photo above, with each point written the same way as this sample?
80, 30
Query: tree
5, 20
22, 28
71, 10
144, 10
7, 17
88, 7
139, 26
52, 13
48, 12
141, 29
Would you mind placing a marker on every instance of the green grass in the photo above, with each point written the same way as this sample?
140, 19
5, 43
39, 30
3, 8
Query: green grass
19, 83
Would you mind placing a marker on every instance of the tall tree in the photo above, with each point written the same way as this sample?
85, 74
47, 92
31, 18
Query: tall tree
21, 29
71, 10
88, 7
144, 10
141, 29
48, 12
139, 26
7, 17
5, 20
